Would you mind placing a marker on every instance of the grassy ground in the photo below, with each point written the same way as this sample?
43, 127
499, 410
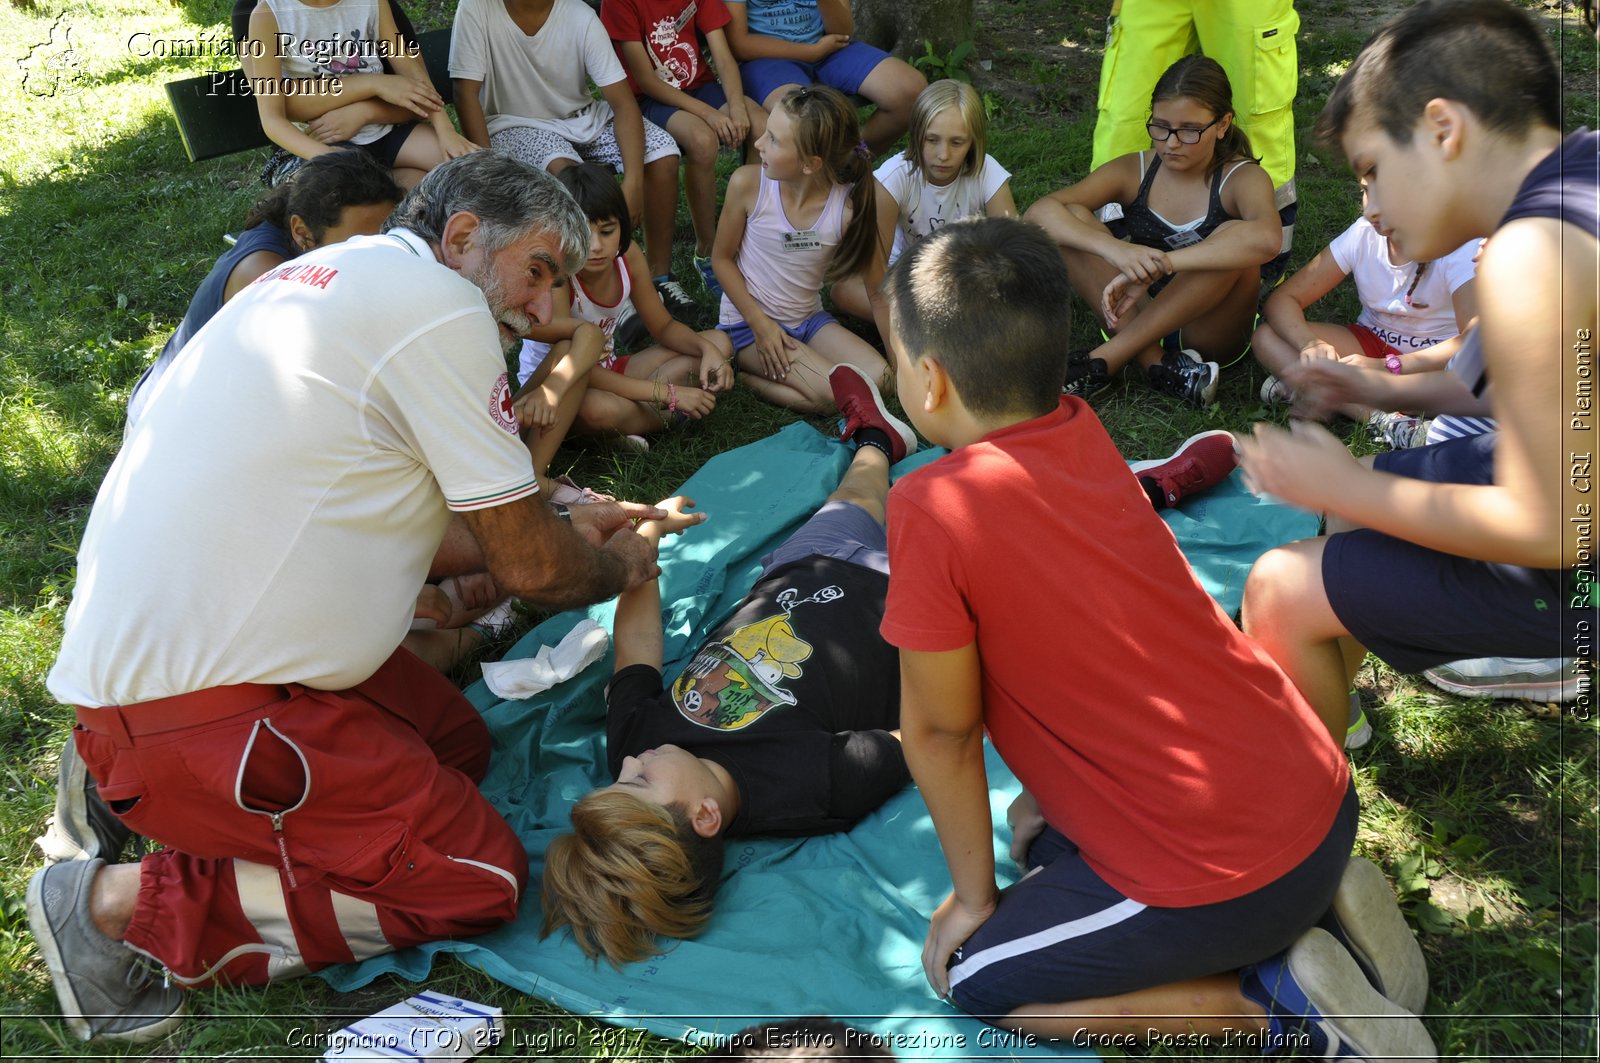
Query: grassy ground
1483, 813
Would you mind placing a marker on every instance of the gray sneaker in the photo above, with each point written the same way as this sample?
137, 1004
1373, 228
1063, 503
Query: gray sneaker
1550, 679
1360, 731
1367, 921
106, 989
83, 826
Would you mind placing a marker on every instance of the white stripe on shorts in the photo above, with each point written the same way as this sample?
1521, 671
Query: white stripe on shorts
1043, 939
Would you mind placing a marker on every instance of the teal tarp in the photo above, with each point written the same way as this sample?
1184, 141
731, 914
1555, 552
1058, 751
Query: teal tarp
831, 925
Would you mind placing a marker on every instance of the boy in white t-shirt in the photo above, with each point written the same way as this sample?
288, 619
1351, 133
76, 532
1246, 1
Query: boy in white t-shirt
1412, 316
522, 70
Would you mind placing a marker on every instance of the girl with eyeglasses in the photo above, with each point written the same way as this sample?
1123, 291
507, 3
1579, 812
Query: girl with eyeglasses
1175, 285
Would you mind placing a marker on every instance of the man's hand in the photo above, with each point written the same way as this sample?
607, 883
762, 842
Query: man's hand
1027, 823
637, 554
952, 924
597, 521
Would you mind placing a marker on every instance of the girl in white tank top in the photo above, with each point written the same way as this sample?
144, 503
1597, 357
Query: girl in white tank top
807, 214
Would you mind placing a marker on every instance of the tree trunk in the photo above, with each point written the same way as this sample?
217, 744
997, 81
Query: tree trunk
900, 26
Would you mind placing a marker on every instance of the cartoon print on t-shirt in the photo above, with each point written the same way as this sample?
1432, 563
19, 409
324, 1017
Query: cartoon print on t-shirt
731, 683
676, 61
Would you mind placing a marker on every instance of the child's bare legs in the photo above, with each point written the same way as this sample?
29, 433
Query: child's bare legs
865, 482
1212, 1005
419, 154
892, 86
1276, 353
606, 413
699, 144
805, 388
670, 367
849, 296
561, 381
660, 204
1286, 610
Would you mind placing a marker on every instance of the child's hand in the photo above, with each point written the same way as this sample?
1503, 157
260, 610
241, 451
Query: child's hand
633, 192
1027, 823
773, 344
537, 409
1120, 299
727, 133
413, 95
1143, 264
716, 374
696, 402
739, 116
341, 123
1318, 349
453, 144
1322, 386
1304, 466
830, 43
678, 517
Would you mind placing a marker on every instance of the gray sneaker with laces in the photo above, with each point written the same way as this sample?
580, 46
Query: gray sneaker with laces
106, 989
1185, 376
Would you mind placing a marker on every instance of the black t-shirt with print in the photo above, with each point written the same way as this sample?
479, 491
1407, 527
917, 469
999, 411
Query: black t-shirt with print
794, 695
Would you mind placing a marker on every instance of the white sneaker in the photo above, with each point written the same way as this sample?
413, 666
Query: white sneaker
1547, 679
1275, 392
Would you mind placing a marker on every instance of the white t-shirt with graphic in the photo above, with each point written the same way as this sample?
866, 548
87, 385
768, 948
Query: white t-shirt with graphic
925, 206
273, 514
1430, 317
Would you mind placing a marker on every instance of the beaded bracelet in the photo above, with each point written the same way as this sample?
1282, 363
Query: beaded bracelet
672, 398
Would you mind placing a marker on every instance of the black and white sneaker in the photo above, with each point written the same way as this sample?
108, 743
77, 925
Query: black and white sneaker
1087, 378
677, 301
1185, 376
629, 330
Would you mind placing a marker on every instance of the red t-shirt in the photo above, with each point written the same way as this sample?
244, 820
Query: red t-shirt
670, 31
1162, 741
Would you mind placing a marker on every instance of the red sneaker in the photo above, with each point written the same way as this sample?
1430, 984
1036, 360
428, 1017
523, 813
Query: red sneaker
861, 406
1203, 461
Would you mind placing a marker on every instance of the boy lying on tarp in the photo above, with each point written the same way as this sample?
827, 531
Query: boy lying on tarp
782, 723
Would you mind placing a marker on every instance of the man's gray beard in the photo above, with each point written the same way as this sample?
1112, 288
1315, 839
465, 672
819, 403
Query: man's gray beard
494, 293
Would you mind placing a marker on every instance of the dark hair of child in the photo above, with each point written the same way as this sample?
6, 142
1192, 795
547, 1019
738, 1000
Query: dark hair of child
1202, 79
988, 298
1487, 55
826, 126
817, 1037
321, 188
599, 196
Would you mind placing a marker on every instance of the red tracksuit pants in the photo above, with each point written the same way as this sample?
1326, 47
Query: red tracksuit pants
305, 827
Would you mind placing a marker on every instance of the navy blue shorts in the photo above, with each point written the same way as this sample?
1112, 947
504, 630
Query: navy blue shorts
710, 94
1415, 608
386, 148
844, 70
1063, 934
840, 530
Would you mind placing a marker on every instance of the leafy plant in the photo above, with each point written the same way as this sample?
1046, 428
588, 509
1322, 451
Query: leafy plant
950, 65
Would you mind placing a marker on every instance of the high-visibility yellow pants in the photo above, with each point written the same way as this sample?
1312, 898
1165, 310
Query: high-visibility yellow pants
1254, 40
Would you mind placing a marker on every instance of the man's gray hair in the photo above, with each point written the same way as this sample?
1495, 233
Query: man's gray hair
510, 199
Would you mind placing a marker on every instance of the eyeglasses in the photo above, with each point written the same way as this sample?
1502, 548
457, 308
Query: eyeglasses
1159, 133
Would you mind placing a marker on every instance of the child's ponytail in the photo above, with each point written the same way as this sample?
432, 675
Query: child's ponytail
826, 126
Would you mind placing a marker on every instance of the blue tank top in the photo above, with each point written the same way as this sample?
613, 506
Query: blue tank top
205, 304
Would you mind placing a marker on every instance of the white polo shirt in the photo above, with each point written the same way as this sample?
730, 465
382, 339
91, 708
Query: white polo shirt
274, 513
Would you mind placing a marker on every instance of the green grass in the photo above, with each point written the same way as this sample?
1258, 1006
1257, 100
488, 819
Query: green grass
1483, 813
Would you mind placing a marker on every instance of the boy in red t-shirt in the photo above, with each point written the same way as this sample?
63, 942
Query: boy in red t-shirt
658, 42
1186, 819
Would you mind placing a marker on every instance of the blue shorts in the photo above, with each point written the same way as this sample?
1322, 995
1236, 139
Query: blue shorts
1062, 934
710, 94
1415, 607
840, 530
740, 334
844, 70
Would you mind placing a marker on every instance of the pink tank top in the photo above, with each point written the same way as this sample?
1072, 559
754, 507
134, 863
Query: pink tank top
783, 266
